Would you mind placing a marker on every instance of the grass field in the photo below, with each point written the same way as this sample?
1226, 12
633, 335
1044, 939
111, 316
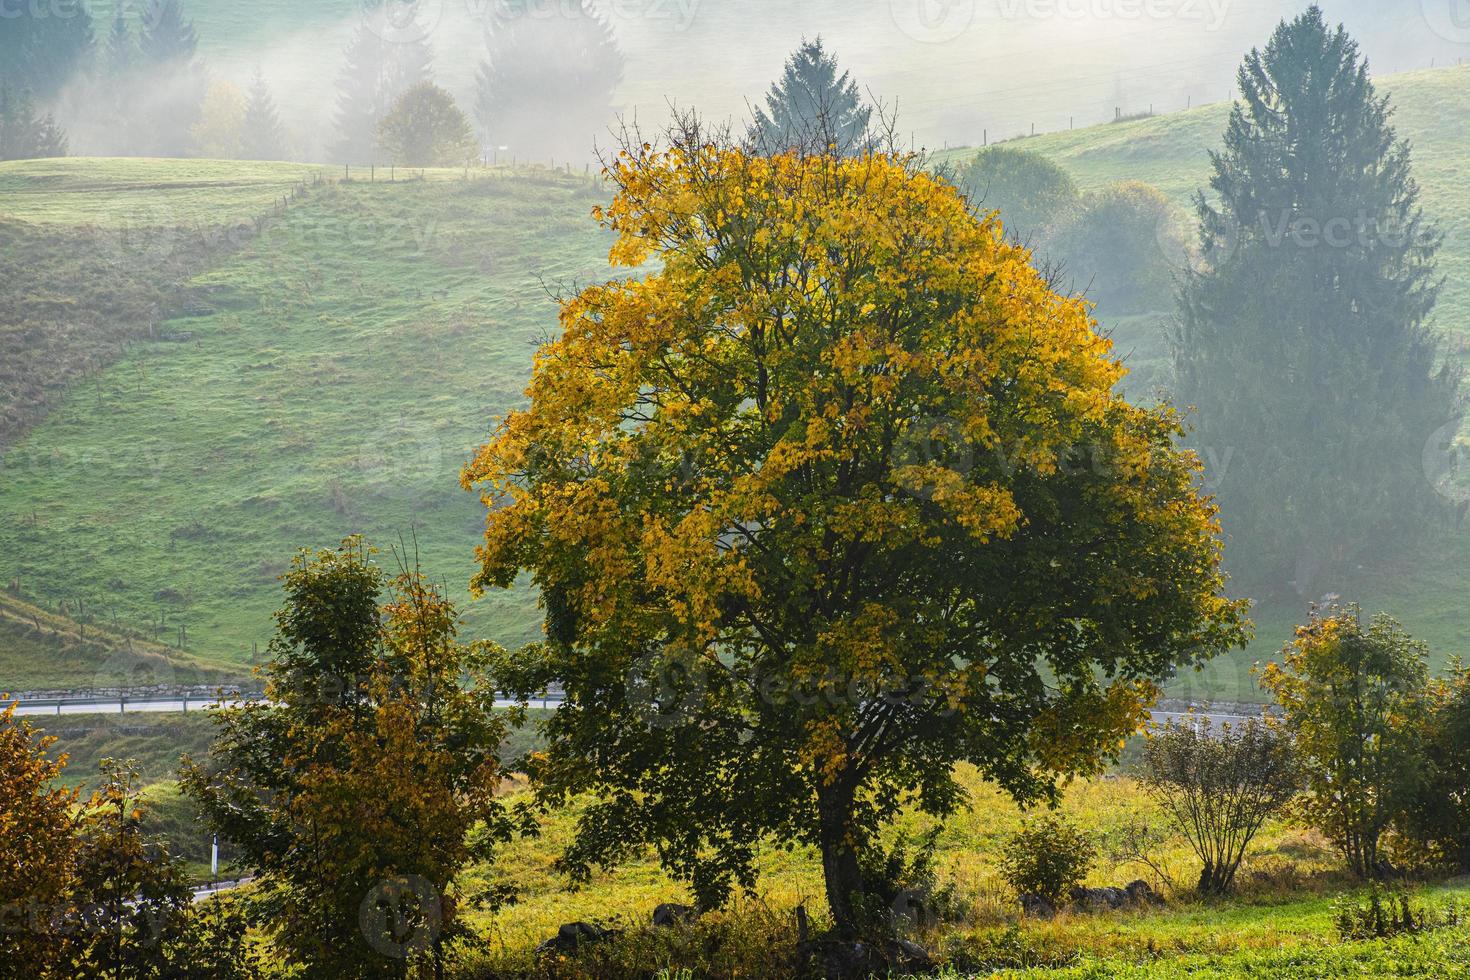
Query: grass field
135, 192
81, 648
1282, 923
332, 377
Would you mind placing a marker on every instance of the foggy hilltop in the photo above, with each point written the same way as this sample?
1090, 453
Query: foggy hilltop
957, 72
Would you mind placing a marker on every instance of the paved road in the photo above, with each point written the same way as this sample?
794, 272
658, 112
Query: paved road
79, 706
113, 706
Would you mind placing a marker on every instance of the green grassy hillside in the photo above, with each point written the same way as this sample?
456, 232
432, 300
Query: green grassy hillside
85, 647
328, 377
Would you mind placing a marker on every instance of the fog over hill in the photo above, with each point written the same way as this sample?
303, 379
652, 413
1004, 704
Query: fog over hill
958, 71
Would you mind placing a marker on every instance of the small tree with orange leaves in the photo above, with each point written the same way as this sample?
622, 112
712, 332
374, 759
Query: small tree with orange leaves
38, 849
835, 496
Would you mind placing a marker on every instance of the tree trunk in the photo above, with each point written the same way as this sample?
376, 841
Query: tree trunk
844, 885
840, 871
1216, 879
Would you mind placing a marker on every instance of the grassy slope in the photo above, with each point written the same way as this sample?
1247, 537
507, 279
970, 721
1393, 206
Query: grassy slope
349, 360
40, 649
133, 192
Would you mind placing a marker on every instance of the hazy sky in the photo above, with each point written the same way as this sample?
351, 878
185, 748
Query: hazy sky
954, 68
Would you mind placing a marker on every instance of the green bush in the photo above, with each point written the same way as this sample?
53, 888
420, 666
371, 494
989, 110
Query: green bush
1047, 857
1122, 246
1218, 787
901, 888
1381, 916
1030, 192
1436, 828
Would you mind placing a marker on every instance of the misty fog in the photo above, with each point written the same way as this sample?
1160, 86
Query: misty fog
958, 72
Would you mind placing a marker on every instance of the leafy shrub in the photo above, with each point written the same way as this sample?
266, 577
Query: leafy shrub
1380, 917
1218, 788
901, 887
1047, 857
1355, 702
1436, 829
1030, 191
1122, 247
426, 129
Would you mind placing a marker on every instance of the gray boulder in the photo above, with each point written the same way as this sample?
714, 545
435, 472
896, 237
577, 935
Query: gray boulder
571, 935
673, 914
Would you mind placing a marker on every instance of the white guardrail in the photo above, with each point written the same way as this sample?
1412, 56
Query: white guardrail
86, 703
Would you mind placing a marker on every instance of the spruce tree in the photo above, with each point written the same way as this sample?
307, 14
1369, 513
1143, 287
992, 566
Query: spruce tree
813, 107
24, 133
1302, 341
376, 73
545, 89
262, 136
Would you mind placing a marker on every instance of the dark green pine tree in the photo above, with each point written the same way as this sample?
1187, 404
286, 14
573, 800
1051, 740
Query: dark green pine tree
262, 137
813, 108
1302, 342
379, 67
545, 89
24, 133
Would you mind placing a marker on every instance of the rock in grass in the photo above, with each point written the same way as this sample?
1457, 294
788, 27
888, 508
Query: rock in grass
838, 959
1036, 907
672, 914
1142, 894
571, 935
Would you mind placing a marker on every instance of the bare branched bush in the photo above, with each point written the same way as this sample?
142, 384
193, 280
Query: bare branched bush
1218, 786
